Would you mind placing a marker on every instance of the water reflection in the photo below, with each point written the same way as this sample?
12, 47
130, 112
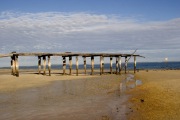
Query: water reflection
129, 83
68, 100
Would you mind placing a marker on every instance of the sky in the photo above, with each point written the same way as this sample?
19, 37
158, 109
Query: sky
120, 26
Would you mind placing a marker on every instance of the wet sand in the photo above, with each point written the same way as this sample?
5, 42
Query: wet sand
39, 97
158, 98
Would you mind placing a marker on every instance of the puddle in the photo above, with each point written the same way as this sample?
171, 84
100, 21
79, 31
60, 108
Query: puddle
69, 100
129, 83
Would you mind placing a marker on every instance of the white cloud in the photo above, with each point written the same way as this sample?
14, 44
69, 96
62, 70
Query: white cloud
84, 32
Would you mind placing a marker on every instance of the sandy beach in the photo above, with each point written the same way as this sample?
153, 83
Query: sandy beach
106, 97
159, 96
33, 96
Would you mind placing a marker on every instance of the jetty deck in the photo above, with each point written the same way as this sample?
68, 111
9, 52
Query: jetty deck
43, 56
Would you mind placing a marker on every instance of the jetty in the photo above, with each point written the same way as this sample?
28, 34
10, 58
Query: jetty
44, 59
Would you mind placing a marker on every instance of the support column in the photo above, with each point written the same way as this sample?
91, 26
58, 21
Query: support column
120, 67
126, 64
39, 64
92, 65
134, 64
12, 72
111, 65
16, 66
44, 65
64, 65
84, 65
77, 65
117, 58
49, 65
70, 65
101, 65
13, 65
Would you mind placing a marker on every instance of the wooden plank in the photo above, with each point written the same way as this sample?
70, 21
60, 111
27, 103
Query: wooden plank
66, 54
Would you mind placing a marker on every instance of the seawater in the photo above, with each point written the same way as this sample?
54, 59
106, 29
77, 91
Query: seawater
140, 65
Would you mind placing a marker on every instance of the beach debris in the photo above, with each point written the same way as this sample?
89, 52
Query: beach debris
142, 100
117, 109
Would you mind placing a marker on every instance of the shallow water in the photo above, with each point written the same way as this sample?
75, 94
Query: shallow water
68, 99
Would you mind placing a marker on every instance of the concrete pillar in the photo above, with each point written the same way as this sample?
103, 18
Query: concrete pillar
70, 65
39, 64
117, 58
126, 64
92, 65
44, 65
64, 65
16, 66
77, 65
119, 62
134, 64
111, 64
49, 65
84, 65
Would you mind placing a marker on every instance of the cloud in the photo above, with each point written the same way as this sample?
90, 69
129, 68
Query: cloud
85, 32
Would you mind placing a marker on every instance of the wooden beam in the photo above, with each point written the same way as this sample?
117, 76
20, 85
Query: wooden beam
134, 64
92, 65
111, 64
84, 65
77, 65
39, 64
70, 65
49, 65
64, 65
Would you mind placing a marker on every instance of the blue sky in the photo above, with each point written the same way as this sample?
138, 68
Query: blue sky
145, 9
152, 26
